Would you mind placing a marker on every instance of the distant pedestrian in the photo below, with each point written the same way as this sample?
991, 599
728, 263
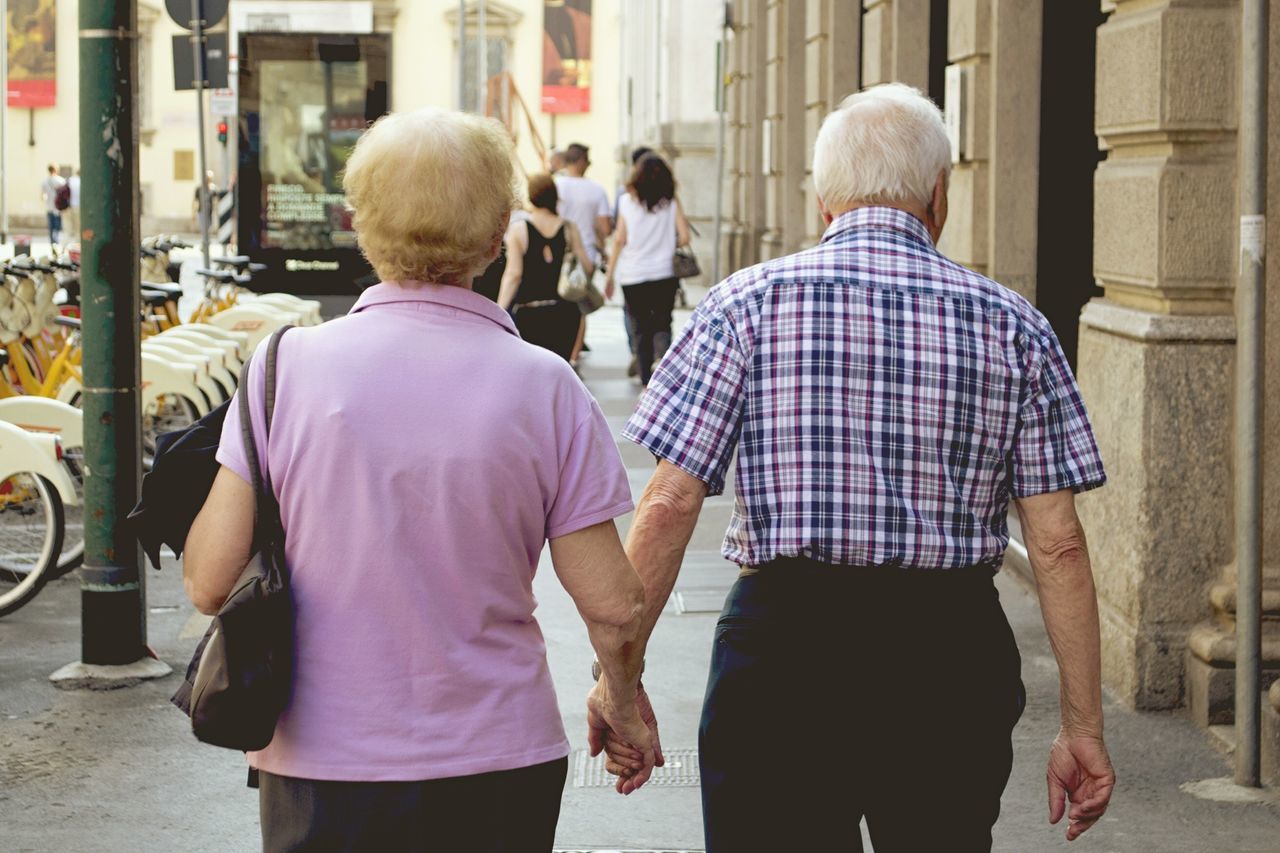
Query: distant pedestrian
536, 250
628, 322
555, 161
651, 225
584, 203
422, 714
49, 193
72, 214
885, 406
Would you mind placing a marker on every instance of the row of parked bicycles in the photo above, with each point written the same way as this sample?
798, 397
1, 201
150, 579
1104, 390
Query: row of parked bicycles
190, 357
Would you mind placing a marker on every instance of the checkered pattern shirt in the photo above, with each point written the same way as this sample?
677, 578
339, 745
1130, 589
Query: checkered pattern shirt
885, 403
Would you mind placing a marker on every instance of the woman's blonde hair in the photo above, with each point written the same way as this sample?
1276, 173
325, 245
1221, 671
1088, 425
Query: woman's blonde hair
430, 192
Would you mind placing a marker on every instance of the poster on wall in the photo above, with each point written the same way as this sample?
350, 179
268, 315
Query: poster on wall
566, 56
32, 32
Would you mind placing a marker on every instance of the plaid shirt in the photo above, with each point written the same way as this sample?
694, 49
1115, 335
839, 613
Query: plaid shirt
886, 403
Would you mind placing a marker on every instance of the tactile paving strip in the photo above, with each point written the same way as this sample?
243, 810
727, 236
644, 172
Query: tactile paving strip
679, 771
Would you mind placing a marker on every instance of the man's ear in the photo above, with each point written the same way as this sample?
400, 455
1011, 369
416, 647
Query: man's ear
826, 214
938, 206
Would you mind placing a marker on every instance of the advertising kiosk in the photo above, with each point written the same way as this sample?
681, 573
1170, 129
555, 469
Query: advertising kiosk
304, 100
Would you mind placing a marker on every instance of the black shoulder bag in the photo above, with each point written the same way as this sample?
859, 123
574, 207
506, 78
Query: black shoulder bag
240, 677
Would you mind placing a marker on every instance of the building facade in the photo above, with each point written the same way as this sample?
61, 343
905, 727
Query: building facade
424, 72
1096, 175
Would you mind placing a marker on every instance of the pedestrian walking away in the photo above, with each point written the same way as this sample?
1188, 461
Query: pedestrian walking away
584, 203
536, 248
651, 226
71, 215
422, 714
54, 203
885, 406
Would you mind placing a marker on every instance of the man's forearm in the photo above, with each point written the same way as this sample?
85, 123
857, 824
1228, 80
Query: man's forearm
1070, 607
664, 522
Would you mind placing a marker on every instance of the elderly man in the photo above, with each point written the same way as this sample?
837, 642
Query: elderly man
886, 406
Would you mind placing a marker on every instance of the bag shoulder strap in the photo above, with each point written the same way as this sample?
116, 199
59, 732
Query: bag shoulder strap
261, 487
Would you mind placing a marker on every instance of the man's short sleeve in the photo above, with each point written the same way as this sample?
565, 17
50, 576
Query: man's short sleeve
1054, 447
602, 202
593, 484
692, 411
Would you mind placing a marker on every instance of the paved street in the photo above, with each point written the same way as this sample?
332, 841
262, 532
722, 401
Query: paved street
118, 771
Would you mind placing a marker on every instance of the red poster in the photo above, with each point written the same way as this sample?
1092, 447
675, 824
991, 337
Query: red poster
31, 29
566, 56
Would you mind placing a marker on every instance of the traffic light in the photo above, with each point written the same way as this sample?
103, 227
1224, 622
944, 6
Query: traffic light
222, 132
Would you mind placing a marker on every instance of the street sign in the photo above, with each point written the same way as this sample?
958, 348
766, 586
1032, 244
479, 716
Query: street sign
222, 102
215, 62
211, 12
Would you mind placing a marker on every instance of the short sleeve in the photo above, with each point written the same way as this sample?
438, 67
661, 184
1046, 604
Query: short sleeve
593, 484
602, 203
1054, 447
231, 449
691, 413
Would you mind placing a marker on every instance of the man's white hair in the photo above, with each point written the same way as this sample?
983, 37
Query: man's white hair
886, 144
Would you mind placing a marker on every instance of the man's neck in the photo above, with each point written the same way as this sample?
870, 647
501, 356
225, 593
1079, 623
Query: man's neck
919, 211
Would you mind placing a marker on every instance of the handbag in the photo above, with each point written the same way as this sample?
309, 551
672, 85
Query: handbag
684, 263
574, 284
240, 676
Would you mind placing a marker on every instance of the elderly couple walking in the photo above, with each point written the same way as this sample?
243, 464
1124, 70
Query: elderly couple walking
885, 406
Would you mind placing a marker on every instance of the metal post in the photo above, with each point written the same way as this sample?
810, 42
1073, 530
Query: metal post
4, 120
1250, 359
462, 55
482, 63
112, 597
197, 54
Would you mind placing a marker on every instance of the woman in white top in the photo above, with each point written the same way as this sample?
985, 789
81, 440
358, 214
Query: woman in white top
651, 225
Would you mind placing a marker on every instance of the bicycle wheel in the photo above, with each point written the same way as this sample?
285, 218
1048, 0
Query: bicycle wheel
173, 412
73, 530
31, 529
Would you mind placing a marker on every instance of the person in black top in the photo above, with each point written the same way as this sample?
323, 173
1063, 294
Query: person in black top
535, 254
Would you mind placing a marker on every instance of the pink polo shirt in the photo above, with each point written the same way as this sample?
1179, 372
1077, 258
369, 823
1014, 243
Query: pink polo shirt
422, 455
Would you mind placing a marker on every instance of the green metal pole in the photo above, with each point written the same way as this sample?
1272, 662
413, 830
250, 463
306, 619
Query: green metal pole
113, 615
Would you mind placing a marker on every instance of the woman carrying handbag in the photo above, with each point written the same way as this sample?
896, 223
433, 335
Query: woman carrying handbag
651, 226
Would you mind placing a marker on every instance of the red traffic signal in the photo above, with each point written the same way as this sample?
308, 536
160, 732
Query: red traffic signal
222, 132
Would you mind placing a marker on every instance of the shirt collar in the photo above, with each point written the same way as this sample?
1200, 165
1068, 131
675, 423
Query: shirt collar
460, 298
879, 217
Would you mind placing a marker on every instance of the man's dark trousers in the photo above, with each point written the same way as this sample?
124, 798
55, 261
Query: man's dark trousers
843, 692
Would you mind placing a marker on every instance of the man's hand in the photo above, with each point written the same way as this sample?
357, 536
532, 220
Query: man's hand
622, 758
619, 728
1079, 770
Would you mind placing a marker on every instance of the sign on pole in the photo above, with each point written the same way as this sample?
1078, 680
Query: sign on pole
211, 12
222, 102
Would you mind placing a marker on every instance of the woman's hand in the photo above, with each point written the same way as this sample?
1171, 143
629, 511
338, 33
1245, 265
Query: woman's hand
608, 285
616, 724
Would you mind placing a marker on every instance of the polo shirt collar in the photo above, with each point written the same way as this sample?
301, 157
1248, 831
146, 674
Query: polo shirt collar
879, 217
451, 296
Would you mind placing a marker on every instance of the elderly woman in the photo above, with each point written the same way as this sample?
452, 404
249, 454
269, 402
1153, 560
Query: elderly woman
422, 455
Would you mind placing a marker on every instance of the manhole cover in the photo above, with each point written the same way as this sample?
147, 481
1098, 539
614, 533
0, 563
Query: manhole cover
700, 600
680, 770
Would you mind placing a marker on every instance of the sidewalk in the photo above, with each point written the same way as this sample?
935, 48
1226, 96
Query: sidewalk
119, 771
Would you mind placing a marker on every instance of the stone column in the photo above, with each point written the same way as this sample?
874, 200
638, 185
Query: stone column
746, 192
996, 43
968, 234
895, 42
1156, 350
1211, 662
786, 157
834, 47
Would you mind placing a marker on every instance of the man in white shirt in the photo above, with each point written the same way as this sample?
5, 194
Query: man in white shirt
584, 203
